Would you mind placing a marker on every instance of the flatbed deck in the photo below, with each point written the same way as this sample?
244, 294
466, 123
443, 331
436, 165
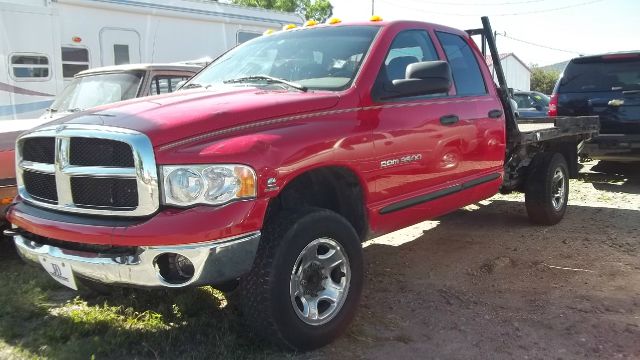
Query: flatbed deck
535, 130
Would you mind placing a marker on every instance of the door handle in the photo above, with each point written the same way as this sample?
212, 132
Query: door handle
449, 119
495, 113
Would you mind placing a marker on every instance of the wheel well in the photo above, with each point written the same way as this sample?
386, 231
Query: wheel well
333, 188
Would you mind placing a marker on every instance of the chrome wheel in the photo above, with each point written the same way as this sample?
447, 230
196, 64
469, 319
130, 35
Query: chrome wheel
558, 189
320, 281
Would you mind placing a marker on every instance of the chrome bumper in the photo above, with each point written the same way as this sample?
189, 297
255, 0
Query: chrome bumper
214, 262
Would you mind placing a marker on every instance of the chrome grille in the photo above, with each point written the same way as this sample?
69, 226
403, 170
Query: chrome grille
40, 149
89, 169
100, 152
114, 193
41, 186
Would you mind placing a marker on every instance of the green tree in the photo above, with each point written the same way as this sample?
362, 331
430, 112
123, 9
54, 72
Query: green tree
319, 10
543, 80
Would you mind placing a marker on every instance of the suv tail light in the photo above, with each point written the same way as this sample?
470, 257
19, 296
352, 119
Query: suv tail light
553, 105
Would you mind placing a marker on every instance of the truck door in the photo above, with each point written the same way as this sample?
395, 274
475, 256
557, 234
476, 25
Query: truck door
119, 46
433, 147
477, 109
418, 141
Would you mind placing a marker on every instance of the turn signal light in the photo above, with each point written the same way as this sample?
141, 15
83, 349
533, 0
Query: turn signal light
6, 201
247, 182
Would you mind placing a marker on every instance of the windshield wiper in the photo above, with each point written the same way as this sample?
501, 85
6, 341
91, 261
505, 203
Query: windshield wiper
191, 86
269, 79
74, 110
51, 110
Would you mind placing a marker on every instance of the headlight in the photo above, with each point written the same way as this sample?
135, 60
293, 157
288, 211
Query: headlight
185, 185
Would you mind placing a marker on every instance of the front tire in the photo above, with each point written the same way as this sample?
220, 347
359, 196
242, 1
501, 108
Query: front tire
547, 188
306, 281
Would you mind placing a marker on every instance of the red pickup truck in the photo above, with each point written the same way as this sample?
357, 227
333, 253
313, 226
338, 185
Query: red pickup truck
277, 161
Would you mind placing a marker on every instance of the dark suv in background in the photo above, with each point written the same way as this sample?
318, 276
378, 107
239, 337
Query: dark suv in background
607, 85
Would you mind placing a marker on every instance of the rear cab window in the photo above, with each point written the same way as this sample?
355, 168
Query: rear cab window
616, 72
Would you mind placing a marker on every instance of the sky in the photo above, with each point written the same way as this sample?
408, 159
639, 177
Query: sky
579, 27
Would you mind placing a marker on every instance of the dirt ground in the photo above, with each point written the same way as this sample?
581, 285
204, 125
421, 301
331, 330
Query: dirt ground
482, 283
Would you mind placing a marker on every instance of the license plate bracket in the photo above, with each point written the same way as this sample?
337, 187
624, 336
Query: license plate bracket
60, 271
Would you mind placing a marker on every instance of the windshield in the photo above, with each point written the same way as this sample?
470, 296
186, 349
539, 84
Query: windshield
601, 75
95, 90
325, 58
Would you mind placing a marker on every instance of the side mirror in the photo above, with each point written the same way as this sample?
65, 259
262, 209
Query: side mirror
422, 78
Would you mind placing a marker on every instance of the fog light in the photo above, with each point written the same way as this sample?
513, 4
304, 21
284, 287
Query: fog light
174, 268
184, 266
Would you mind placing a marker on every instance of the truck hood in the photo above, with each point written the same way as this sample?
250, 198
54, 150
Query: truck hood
181, 115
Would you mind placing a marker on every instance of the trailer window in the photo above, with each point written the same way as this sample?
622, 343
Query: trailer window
464, 66
74, 60
29, 66
244, 36
121, 54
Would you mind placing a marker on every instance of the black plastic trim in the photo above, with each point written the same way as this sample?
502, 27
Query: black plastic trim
32, 210
437, 194
7, 182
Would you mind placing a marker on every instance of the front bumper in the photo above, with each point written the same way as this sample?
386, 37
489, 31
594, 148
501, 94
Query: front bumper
613, 147
214, 262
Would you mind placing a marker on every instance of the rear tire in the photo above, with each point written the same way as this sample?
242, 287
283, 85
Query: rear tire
547, 188
310, 259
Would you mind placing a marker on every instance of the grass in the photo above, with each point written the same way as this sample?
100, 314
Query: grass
41, 319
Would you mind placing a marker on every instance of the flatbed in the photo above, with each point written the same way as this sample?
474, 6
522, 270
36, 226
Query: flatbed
534, 130
529, 137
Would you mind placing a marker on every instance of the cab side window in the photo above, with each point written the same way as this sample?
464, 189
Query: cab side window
464, 66
165, 83
408, 47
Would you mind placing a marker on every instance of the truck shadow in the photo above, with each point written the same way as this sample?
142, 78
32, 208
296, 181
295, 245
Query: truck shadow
485, 283
477, 281
614, 177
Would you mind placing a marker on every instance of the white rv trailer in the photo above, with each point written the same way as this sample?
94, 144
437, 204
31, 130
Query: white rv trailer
43, 43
